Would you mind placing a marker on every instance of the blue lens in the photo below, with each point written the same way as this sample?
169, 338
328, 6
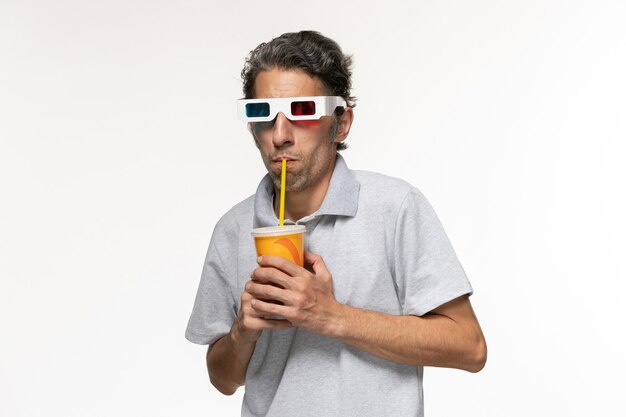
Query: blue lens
257, 109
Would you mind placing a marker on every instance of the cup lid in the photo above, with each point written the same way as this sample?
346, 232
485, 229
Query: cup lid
279, 230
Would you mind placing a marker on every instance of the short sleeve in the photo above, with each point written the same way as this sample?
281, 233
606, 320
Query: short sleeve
215, 308
427, 271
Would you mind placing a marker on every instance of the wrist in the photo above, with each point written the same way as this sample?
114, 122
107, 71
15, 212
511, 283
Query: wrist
339, 321
239, 335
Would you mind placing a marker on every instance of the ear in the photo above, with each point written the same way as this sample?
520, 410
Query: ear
345, 122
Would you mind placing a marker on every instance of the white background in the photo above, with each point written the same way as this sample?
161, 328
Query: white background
120, 149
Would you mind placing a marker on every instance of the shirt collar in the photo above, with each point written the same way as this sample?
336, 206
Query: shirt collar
342, 197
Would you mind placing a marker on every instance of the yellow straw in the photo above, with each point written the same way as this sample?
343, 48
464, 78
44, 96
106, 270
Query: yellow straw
283, 176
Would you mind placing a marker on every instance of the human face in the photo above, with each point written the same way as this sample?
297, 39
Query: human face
306, 144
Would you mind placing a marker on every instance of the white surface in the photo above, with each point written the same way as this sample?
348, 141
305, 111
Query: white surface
120, 149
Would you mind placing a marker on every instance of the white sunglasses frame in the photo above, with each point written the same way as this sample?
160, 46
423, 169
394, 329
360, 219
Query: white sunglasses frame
324, 106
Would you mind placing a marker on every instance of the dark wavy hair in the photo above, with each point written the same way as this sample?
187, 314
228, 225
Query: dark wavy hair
310, 52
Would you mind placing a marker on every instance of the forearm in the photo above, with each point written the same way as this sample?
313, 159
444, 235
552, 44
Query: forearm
431, 340
448, 336
227, 362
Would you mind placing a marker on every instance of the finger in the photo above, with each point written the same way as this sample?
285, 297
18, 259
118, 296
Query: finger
271, 275
270, 308
256, 320
317, 263
267, 324
248, 311
279, 263
266, 292
278, 324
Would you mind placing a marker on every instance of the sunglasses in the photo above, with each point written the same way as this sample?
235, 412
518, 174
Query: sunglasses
294, 108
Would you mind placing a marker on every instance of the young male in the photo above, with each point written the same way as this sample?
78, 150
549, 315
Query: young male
382, 293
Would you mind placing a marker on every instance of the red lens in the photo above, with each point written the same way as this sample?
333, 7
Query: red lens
302, 108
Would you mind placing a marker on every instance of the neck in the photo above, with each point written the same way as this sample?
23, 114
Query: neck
299, 204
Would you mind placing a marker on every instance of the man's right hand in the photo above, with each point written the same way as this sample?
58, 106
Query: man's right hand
250, 323
228, 358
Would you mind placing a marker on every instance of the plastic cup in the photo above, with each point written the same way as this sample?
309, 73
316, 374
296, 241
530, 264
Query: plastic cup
284, 241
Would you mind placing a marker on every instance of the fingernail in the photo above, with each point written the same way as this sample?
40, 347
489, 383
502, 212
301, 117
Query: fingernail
258, 260
248, 285
253, 302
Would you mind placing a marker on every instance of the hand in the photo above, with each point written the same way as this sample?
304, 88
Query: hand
303, 298
250, 323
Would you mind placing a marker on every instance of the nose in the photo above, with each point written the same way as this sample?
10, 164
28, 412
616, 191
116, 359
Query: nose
282, 134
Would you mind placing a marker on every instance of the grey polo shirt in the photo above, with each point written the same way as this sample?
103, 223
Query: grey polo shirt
386, 251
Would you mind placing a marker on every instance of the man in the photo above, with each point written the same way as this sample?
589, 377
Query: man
382, 293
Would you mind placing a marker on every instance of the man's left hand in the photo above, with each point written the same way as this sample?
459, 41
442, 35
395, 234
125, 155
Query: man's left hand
304, 298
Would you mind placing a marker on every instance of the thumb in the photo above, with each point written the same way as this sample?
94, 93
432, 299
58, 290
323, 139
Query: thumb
317, 263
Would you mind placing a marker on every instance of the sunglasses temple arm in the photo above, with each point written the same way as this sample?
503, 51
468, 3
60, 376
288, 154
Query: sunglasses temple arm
334, 103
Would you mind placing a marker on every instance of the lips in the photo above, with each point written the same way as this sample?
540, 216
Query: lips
278, 163
280, 159
292, 164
